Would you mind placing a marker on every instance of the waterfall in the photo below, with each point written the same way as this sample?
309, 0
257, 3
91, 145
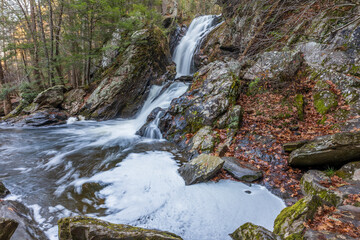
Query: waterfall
184, 58
185, 51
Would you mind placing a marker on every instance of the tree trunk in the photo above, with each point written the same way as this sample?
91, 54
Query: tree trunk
46, 51
7, 100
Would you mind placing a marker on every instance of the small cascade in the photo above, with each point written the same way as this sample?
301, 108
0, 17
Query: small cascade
185, 51
152, 131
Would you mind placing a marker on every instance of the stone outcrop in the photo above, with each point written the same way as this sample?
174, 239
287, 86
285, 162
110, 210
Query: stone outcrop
125, 84
214, 91
201, 169
332, 150
86, 228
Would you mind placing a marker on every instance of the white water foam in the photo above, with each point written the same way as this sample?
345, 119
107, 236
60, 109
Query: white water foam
146, 190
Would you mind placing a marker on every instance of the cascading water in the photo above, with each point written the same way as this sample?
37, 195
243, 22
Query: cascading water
184, 52
104, 170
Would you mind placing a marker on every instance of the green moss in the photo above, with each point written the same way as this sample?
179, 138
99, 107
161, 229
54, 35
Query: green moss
324, 101
295, 236
327, 196
302, 210
299, 104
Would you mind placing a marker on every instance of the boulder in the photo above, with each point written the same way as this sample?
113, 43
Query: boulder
50, 98
249, 231
7, 228
275, 66
3, 191
249, 174
73, 101
124, 85
86, 228
27, 228
311, 185
203, 140
201, 169
331, 150
290, 221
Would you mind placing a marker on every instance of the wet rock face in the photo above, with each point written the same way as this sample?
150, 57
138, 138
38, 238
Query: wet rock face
125, 84
249, 231
3, 191
7, 228
201, 169
215, 88
14, 212
332, 150
86, 228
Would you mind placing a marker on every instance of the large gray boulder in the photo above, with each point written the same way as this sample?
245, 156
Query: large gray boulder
201, 169
85, 228
249, 174
275, 66
124, 85
27, 228
331, 150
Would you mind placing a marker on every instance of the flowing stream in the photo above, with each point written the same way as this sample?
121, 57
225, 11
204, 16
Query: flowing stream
104, 170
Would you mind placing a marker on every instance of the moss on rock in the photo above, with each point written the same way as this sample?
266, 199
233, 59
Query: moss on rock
290, 220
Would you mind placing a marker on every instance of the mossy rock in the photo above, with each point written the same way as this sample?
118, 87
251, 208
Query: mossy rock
87, 228
350, 171
299, 104
324, 101
310, 186
291, 219
249, 231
